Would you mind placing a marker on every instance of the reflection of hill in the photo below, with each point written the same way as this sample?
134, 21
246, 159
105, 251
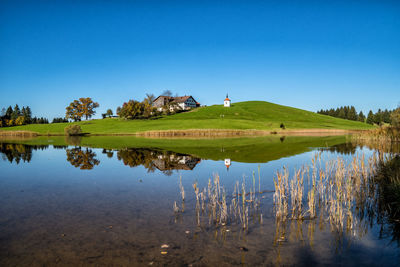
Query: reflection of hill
151, 159
249, 149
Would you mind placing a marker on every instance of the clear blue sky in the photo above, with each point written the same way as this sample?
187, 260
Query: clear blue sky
306, 54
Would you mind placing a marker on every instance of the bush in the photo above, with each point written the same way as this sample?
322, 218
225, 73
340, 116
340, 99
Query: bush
72, 130
282, 126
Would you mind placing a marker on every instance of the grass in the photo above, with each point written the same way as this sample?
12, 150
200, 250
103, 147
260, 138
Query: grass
250, 115
244, 149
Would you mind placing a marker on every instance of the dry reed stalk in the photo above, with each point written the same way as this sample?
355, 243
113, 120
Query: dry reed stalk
203, 133
181, 189
18, 134
339, 188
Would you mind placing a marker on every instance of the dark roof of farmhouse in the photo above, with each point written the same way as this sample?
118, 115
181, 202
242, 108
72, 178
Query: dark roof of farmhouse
177, 99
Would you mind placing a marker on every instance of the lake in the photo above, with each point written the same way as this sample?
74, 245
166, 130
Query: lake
119, 201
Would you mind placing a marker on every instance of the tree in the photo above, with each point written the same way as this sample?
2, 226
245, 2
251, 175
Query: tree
167, 93
88, 106
28, 112
361, 117
370, 117
9, 112
342, 114
352, 115
16, 113
73, 111
3, 112
20, 121
148, 105
79, 108
109, 113
386, 116
131, 110
395, 118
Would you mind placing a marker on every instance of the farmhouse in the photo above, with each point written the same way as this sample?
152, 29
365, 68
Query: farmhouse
174, 103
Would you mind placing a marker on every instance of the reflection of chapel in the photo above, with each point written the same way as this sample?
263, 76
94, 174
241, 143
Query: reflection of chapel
227, 163
227, 101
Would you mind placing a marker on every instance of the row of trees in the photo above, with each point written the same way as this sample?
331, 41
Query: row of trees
138, 110
350, 113
59, 120
16, 116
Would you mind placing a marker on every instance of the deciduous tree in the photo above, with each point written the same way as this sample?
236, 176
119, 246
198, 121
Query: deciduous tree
79, 108
109, 113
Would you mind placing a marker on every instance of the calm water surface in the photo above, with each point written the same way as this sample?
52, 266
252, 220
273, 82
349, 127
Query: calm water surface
77, 205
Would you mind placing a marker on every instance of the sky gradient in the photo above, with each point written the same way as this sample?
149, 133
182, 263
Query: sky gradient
305, 54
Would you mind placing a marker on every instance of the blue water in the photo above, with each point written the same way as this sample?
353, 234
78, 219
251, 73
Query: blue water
53, 213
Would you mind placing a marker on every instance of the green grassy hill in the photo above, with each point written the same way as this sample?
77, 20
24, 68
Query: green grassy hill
258, 115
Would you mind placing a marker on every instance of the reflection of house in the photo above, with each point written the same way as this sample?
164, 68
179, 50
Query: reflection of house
178, 102
227, 163
175, 162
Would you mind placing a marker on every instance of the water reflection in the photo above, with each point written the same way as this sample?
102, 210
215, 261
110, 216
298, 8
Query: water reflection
75, 221
73, 140
151, 159
84, 159
18, 152
343, 149
346, 198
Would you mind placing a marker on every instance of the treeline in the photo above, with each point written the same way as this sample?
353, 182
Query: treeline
350, 113
16, 116
59, 120
138, 110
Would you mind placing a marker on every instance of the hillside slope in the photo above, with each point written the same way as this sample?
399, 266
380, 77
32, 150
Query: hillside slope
248, 115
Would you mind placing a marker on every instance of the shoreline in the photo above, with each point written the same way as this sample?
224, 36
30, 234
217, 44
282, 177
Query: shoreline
193, 133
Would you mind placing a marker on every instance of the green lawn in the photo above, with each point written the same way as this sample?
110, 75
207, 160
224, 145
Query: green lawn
256, 115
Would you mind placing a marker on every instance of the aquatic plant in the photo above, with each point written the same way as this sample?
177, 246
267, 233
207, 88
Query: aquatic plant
339, 192
212, 202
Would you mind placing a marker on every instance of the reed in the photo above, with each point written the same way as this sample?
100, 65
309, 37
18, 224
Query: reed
18, 134
182, 190
338, 192
212, 201
383, 134
203, 133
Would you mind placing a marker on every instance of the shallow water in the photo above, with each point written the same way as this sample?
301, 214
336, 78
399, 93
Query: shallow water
64, 204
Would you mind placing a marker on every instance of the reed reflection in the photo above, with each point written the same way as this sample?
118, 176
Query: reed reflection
346, 196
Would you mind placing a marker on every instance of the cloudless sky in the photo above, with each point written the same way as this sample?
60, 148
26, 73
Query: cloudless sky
306, 54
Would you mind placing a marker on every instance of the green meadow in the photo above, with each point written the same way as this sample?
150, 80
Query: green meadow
250, 115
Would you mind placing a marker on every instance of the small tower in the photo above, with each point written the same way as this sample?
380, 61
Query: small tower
227, 101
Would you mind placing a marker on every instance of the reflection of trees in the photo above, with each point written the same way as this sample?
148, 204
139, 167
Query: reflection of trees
108, 152
82, 158
362, 197
343, 149
388, 200
73, 140
165, 161
18, 152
